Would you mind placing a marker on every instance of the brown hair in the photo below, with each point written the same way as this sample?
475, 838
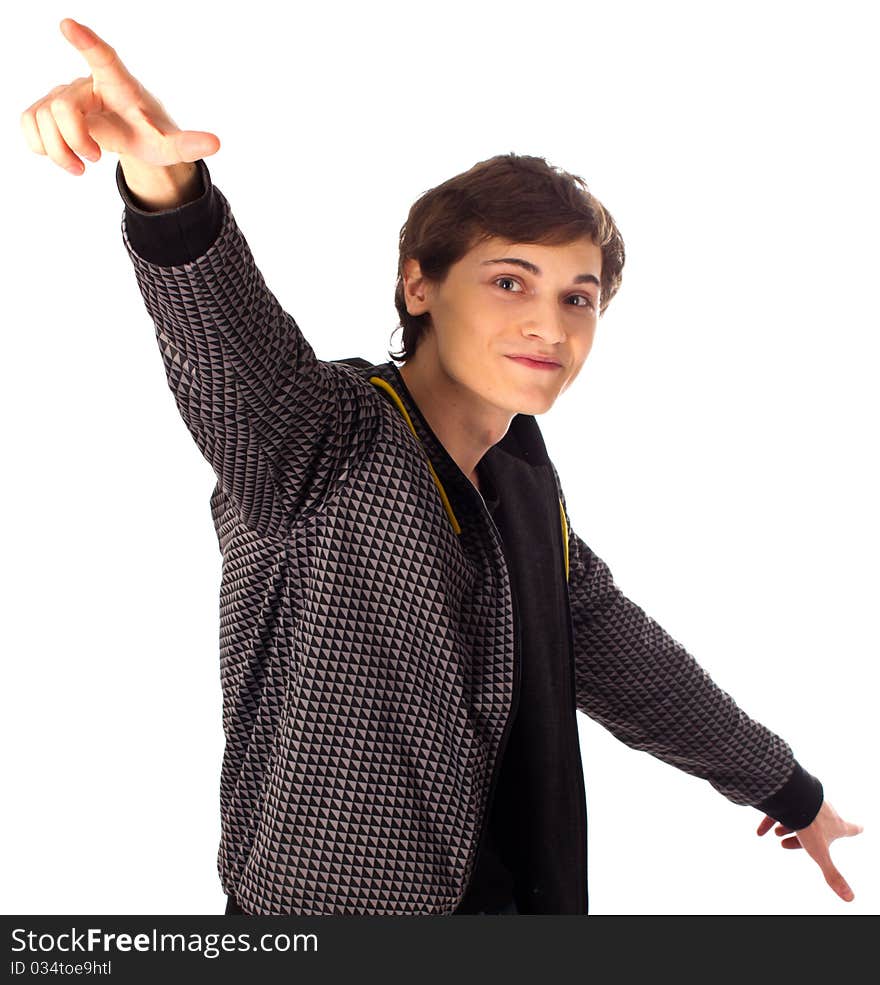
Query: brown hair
514, 196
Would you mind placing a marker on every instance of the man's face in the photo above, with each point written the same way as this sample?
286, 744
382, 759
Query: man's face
491, 308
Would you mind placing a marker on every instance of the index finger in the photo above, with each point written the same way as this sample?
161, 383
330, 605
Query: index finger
106, 65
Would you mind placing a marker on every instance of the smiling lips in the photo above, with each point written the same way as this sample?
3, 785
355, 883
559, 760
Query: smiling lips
535, 363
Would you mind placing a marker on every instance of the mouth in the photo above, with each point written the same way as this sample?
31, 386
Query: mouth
535, 363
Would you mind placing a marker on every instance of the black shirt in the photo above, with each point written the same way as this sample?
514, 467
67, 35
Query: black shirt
493, 880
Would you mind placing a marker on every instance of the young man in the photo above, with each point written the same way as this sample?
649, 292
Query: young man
408, 622
402, 657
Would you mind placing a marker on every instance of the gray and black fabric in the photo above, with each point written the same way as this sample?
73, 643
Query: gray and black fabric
374, 632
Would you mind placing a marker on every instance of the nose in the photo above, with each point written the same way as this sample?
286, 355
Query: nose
547, 324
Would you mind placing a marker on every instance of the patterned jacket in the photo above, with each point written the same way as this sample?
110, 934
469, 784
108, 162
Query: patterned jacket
371, 633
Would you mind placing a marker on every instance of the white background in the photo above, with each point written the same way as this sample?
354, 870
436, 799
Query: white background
718, 449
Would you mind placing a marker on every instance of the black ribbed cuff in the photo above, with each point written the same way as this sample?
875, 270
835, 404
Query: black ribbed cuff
797, 802
174, 236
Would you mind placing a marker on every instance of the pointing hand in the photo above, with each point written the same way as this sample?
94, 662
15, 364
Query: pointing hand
107, 110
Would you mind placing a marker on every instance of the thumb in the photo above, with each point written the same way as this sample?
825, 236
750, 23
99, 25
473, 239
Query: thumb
190, 145
836, 881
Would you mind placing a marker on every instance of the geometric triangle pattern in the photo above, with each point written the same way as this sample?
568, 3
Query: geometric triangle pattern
366, 682
641, 684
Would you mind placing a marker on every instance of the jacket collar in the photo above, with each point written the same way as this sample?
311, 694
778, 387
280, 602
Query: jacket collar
523, 441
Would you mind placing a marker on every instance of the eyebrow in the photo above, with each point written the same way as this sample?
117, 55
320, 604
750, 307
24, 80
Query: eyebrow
579, 279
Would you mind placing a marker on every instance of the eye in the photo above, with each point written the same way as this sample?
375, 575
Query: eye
588, 301
512, 280
587, 298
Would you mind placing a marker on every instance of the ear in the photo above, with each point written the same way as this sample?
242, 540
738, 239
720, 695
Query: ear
416, 289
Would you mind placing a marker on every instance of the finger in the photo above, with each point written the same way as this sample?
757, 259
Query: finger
72, 127
766, 824
106, 66
31, 131
55, 144
29, 122
833, 877
791, 843
783, 830
853, 829
836, 881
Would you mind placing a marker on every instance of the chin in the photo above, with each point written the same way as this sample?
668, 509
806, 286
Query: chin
534, 407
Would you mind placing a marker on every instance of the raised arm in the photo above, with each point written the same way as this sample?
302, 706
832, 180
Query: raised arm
281, 428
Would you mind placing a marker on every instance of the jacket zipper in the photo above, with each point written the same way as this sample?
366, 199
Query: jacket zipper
514, 704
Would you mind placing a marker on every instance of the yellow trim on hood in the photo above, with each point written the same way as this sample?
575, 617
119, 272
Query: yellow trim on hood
446, 504
564, 535
378, 381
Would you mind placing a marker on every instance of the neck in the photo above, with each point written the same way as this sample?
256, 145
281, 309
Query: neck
464, 423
